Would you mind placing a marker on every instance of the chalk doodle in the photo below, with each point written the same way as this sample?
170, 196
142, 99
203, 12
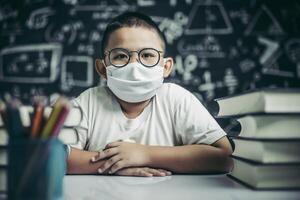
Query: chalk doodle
76, 71
39, 18
185, 66
292, 50
86, 48
264, 22
70, 2
36, 63
174, 2
207, 86
241, 15
247, 65
6, 12
173, 29
230, 81
208, 17
102, 6
144, 3
9, 24
271, 48
208, 47
63, 33
204, 63
272, 67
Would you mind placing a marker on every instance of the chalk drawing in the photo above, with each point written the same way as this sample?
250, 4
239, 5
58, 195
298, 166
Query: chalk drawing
76, 66
208, 17
264, 22
272, 67
247, 65
207, 85
230, 81
271, 48
145, 3
208, 47
45, 59
39, 18
292, 50
173, 29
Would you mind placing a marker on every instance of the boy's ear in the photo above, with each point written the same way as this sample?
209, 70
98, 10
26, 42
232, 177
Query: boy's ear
100, 68
168, 66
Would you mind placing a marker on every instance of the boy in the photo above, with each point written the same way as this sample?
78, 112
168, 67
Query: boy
168, 128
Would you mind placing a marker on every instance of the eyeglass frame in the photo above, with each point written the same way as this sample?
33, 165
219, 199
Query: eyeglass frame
130, 54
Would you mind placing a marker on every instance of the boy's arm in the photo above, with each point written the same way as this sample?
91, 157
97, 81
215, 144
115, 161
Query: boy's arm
78, 162
198, 158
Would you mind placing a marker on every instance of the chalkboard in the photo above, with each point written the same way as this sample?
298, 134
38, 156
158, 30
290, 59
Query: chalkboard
220, 48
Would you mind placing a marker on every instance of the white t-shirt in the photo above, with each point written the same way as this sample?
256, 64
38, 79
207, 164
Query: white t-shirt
173, 117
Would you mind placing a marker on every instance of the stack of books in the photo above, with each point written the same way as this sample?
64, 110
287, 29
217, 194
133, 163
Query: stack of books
267, 150
33, 118
3, 158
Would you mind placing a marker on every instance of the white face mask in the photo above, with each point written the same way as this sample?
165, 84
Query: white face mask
134, 82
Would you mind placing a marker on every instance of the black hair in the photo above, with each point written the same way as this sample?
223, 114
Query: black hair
130, 19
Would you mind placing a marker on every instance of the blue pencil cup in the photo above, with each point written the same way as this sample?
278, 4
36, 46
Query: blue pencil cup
36, 169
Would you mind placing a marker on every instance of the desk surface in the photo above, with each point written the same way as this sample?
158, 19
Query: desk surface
181, 187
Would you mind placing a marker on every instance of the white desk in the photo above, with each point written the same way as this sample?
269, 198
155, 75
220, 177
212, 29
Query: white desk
181, 187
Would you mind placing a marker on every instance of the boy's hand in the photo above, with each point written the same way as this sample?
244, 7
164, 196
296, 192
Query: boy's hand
143, 171
121, 155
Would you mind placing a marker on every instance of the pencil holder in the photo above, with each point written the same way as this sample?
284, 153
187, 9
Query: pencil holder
36, 169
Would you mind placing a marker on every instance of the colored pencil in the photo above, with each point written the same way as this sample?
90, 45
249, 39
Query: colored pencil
66, 106
37, 118
52, 119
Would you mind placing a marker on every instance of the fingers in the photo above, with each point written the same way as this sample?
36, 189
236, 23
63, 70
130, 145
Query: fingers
154, 172
158, 172
168, 173
134, 172
113, 162
143, 171
117, 166
104, 154
113, 144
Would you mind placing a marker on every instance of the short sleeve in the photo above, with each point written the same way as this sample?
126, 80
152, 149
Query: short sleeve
82, 128
194, 124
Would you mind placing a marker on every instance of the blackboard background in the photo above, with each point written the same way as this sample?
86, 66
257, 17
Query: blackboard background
220, 48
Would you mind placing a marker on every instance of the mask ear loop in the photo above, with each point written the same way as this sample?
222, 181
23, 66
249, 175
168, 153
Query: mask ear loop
107, 71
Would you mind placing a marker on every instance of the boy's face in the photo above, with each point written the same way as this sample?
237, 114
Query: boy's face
134, 39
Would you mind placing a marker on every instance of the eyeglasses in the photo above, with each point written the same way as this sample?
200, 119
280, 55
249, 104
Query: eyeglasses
120, 57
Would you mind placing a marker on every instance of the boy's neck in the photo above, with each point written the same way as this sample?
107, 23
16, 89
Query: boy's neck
132, 110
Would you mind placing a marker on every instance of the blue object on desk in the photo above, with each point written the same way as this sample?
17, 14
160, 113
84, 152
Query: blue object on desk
36, 169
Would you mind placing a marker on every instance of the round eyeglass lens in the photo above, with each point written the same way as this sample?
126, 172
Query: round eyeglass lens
149, 57
119, 57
